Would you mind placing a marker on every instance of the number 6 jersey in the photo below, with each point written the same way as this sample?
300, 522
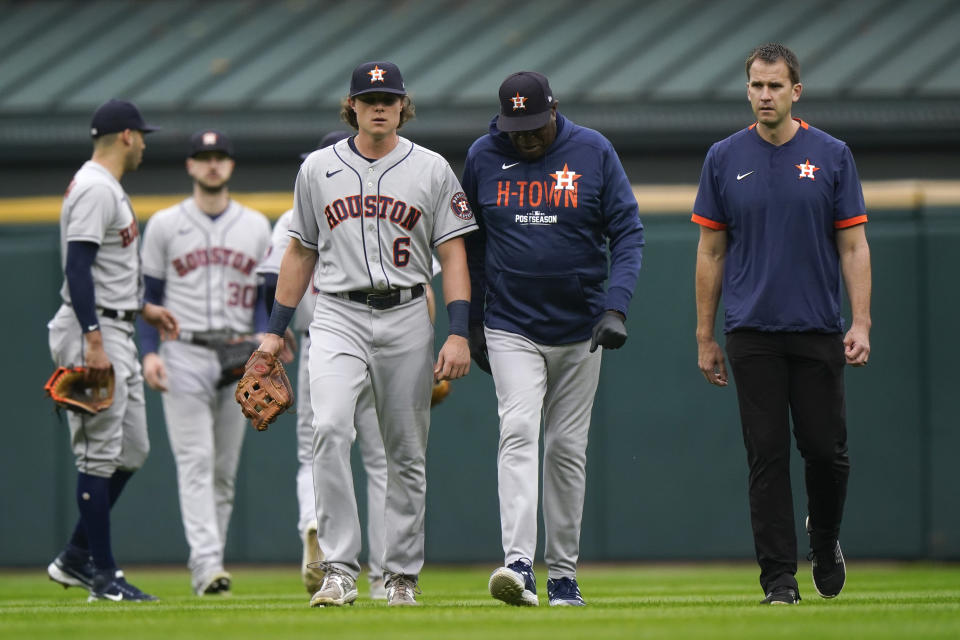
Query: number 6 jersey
374, 224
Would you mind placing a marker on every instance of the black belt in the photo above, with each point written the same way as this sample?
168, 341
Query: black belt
384, 300
118, 314
208, 338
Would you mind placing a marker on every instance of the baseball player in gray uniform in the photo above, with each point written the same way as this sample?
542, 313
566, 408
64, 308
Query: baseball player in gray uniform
101, 293
200, 258
367, 431
367, 211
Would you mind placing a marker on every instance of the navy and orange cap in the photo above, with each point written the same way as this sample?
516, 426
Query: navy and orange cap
382, 77
525, 102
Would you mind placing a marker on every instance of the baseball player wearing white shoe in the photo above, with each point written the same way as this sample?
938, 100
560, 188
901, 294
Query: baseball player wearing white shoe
200, 258
101, 293
367, 212
367, 431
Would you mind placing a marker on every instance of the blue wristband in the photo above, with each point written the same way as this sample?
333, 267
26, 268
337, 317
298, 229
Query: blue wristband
459, 313
280, 318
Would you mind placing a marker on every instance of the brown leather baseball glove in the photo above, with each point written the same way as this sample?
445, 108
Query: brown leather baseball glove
440, 391
76, 389
264, 391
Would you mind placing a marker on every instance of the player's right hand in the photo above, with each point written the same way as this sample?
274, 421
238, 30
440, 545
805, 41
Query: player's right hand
454, 359
161, 318
155, 372
95, 359
711, 362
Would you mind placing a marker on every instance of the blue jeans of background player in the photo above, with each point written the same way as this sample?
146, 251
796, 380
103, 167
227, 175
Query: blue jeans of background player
779, 375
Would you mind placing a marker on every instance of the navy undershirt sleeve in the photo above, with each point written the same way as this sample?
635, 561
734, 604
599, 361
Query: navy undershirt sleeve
261, 316
154, 290
80, 257
269, 290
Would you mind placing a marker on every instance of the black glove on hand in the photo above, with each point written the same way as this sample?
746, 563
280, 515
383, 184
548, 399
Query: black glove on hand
478, 347
609, 332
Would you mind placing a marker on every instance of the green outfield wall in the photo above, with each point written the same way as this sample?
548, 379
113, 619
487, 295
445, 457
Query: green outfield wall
666, 471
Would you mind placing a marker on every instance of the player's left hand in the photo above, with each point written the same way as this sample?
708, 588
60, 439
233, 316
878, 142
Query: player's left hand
856, 346
609, 332
454, 359
161, 318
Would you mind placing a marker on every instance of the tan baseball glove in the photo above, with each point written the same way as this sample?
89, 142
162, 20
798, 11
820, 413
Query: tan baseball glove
440, 391
74, 388
264, 391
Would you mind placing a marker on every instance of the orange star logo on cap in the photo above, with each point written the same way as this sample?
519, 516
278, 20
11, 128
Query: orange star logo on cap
376, 74
519, 102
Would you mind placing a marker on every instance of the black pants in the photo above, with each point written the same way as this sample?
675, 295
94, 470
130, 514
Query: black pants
779, 375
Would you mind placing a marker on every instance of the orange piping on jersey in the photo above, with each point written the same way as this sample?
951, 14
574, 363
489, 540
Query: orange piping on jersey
802, 124
707, 222
849, 222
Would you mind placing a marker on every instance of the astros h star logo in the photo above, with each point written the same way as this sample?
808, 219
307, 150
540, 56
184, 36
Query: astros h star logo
806, 170
565, 179
519, 102
376, 74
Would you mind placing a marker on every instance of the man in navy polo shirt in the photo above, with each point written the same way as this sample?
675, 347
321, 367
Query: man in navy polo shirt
781, 217
550, 197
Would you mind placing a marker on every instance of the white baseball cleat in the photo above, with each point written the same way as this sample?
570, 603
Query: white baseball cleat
378, 591
515, 584
312, 556
216, 583
337, 590
401, 591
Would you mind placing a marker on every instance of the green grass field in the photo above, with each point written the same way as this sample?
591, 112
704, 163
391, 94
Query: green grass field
637, 601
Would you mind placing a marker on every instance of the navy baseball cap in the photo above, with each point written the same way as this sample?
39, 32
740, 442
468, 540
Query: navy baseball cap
383, 77
210, 140
525, 102
116, 115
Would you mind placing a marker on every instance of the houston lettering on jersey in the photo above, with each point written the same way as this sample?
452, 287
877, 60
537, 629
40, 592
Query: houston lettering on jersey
207, 256
394, 210
128, 235
561, 192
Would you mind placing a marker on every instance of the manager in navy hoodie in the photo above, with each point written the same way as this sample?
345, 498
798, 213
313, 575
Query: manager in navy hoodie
550, 197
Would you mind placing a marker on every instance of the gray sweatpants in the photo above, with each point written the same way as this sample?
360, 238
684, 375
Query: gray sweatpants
557, 383
371, 452
116, 438
206, 430
394, 347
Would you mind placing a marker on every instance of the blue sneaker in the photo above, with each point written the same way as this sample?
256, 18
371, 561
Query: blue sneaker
564, 592
515, 584
111, 585
71, 573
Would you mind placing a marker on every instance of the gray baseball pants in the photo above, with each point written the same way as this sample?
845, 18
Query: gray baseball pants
557, 384
206, 430
394, 347
371, 452
116, 438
